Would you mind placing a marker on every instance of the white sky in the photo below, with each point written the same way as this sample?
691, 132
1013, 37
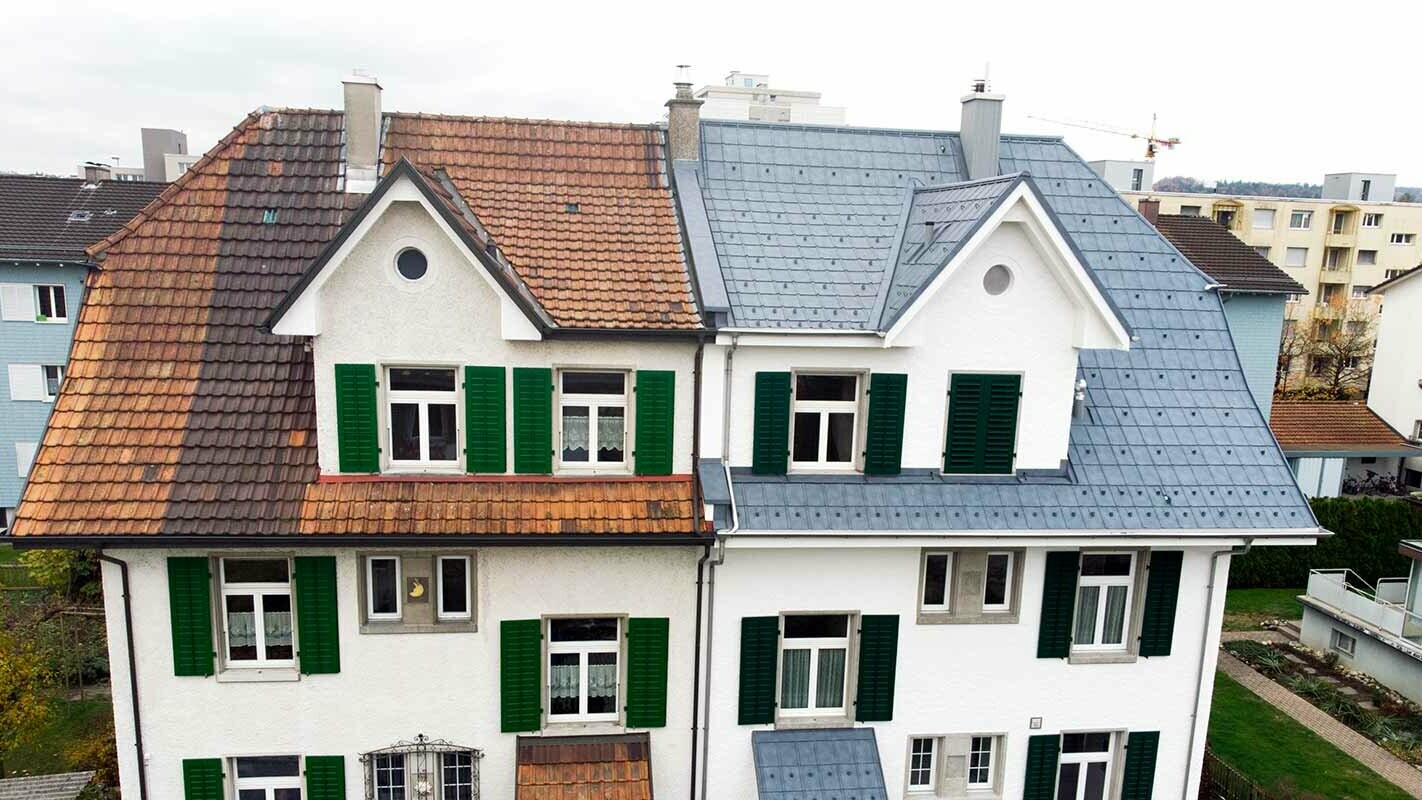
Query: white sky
1260, 89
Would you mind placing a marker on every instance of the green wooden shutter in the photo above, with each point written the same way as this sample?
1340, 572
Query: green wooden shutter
770, 454
202, 779
520, 675
884, 430
878, 664
647, 672
656, 417
318, 630
982, 424
1058, 605
190, 607
1040, 782
759, 641
325, 778
1138, 781
533, 420
357, 431
485, 428
1162, 593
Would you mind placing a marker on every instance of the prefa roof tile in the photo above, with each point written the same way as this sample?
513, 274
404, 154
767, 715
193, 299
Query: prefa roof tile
1180, 376
181, 415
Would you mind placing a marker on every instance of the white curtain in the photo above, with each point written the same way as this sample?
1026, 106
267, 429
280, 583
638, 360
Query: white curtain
575, 428
563, 681
829, 685
242, 629
609, 431
602, 680
1115, 615
795, 679
277, 625
1086, 615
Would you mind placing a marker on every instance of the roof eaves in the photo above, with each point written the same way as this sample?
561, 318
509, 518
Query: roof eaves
1395, 280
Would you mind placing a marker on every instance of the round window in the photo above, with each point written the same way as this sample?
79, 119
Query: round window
997, 279
411, 264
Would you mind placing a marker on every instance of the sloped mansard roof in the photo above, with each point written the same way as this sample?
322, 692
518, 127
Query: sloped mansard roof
804, 221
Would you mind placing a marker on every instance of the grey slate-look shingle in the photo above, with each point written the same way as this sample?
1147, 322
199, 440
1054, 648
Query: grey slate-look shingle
830, 764
805, 222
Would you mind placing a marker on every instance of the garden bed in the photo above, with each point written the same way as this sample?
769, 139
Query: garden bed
1352, 698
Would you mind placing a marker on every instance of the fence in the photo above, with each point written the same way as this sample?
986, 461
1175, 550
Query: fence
17, 576
1220, 781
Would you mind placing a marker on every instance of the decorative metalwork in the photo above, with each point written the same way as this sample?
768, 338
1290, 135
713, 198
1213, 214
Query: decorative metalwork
422, 769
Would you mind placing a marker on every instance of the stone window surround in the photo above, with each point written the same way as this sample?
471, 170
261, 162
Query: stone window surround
418, 617
950, 779
965, 588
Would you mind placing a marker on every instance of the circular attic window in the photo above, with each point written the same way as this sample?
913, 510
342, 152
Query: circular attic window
411, 264
997, 279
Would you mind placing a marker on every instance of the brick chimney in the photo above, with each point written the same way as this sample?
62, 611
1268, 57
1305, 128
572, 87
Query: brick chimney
981, 131
684, 121
363, 126
1150, 209
94, 172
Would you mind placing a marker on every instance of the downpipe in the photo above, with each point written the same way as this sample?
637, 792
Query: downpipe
132, 672
1205, 658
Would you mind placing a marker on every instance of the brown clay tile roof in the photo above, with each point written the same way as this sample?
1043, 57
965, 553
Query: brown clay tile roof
584, 768
54, 219
180, 415
1222, 256
1332, 425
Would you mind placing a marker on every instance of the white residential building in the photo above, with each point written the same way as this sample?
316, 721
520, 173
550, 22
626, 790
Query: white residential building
749, 96
1395, 391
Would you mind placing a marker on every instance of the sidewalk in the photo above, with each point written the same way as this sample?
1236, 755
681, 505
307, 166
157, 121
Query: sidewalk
1389, 766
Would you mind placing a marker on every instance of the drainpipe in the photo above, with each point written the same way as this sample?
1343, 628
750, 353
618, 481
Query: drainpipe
1204, 655
132, 672
696, 526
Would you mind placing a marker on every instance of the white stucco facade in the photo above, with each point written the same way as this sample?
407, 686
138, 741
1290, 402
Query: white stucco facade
396, 685
967, 678
1395, 664
1395, 390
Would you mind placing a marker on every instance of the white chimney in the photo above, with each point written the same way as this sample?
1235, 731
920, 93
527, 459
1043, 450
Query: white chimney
981, 131
363, 124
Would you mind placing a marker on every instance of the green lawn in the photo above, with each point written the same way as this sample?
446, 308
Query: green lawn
68, 724
8, 554
1246, 608
1274, 751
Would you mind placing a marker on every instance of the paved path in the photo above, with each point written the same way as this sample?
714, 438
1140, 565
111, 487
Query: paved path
1394, 769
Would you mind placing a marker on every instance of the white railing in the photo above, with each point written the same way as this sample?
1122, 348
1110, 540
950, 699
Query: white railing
1345, 591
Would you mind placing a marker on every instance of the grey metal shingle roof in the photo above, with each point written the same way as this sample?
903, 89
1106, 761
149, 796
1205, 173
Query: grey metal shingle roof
818, 764
62, 786
805, 220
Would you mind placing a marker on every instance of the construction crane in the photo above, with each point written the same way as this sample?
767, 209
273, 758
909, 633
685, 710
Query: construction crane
1152, 141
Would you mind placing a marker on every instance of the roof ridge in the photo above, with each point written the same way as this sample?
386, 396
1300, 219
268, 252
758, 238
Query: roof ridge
97, 250
638, 126
1004, 177
744, 123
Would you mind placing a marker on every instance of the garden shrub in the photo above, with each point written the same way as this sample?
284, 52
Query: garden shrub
1366, 532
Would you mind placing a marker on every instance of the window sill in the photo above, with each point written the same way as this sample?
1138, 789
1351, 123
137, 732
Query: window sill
948, 618
811, 723
395, 626
258, 675
565, 727
1107, 657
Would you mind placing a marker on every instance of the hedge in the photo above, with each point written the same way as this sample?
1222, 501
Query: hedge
1366, 531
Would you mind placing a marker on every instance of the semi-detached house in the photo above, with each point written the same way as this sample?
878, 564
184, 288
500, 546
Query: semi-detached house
387, 426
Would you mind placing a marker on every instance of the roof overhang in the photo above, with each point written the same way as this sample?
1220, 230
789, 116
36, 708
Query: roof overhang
1023, 205
1395, 280
1220, 538
1412, 548
1362, 451
298, 314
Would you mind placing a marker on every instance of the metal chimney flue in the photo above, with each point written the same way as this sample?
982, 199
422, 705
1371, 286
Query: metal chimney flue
981, 131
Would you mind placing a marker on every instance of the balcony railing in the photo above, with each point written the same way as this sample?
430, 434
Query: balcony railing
1382, 607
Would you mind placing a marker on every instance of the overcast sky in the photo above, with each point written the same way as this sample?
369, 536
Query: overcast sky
1261, 89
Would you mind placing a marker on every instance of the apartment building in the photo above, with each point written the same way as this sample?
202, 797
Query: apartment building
749, 96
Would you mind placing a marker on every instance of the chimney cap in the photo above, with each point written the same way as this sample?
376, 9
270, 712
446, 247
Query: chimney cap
361, 76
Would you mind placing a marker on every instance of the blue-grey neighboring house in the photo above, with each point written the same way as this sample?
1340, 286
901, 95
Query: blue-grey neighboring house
45, 225
1253, 290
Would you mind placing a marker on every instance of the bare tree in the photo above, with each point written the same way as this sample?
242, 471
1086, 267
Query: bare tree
1329, 351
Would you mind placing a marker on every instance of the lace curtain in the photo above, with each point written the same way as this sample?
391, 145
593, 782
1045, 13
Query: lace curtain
563, 680
242, 631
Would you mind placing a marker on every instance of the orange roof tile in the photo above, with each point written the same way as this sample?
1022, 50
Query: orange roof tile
1332, 425
180, 415
584, 767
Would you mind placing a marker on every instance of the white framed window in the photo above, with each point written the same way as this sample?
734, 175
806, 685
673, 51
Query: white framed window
1226, 217
1392, 273
1372, 220
997, 583
49, 304
937, 590
1263, 250
1295, 256
1342, 642
1137, 179
1402, 238
1263, 218
814, 650
24, 457
382, 588
1085, 766
267, 778
1300, 220
53, 377
1360, 292
1340, 221
256, 612
1103, 601
583, 668
1366, 191
981, 762
7, 518
454, 593
1335, 258
1416, 437
825, 421
923, 764
388, 775
27, 382
1293, 298
592, 409
1367, 258
1190, 211
457, 776
423, 417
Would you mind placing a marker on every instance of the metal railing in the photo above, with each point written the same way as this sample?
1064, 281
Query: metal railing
1346, 591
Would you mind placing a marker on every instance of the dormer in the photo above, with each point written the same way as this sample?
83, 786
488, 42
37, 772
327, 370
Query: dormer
440, 354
